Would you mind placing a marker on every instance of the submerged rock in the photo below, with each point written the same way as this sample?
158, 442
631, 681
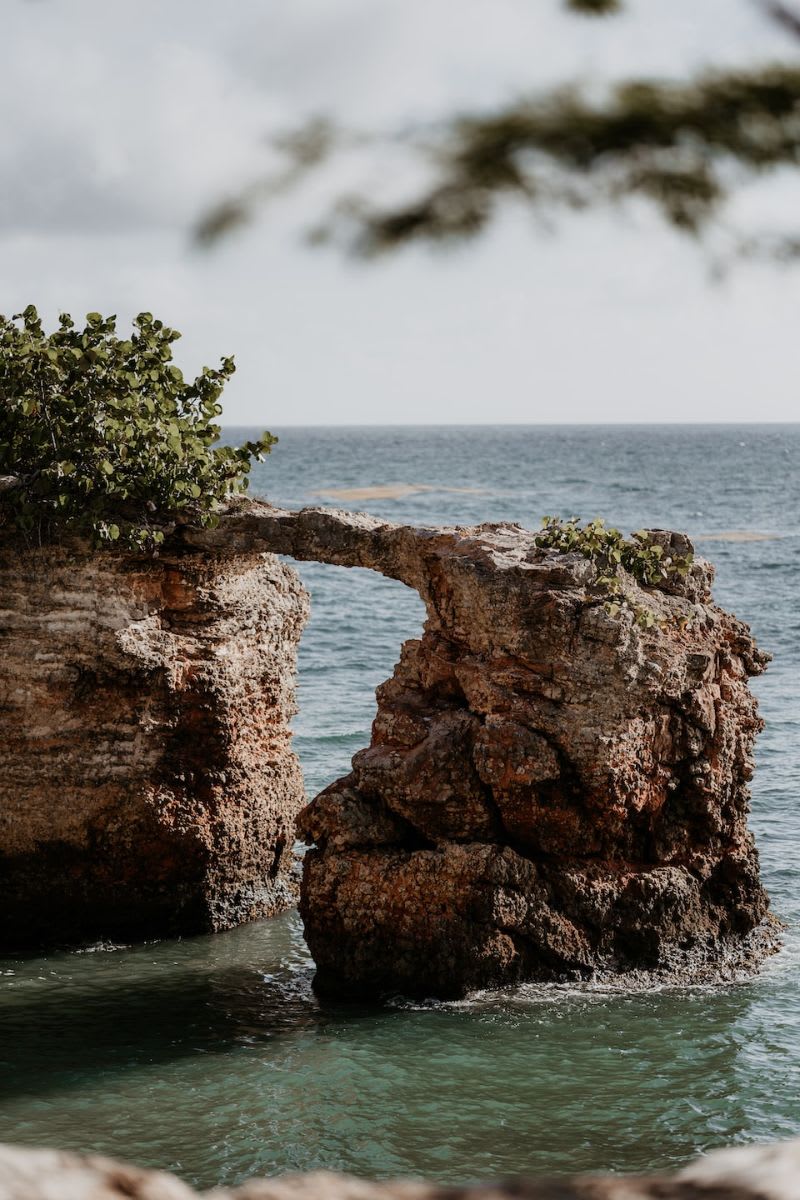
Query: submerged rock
741, 1173
147, 782
552, 790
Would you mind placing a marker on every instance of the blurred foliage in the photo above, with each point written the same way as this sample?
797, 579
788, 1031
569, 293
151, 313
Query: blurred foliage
682, 147
303, 149
594, 8
672, 144
103, 436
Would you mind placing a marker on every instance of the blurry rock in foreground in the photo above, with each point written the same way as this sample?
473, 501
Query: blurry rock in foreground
743, 1173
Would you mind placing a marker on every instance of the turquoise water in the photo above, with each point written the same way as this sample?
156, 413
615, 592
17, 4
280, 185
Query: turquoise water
211, 1056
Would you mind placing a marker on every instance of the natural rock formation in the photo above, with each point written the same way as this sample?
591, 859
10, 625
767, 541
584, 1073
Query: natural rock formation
147, 784
743, 1173
552, 791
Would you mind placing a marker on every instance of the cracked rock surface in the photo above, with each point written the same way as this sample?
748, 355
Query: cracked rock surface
551, 792
147, 781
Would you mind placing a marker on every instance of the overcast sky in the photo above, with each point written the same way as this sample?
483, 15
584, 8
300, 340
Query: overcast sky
122, 123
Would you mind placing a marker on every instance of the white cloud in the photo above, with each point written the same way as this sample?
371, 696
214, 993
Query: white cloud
123, 122
106, 135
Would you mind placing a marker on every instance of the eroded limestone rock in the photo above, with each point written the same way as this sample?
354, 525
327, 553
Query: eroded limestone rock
551, 791
147, 782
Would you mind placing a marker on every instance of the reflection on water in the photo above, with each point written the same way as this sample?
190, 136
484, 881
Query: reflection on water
212, 1057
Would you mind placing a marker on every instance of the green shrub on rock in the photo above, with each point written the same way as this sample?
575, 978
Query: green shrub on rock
640, 556
103, 436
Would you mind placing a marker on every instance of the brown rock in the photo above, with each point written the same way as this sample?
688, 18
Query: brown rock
551, 791
147, 781
569, 789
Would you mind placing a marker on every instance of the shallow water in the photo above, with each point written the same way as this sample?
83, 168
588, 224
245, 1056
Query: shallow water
212, 1057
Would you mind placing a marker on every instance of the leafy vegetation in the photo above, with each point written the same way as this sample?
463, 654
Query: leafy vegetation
102, 435
639, 555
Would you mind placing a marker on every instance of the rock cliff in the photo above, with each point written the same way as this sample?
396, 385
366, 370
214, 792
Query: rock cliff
147, 784
743, 1173
552, 791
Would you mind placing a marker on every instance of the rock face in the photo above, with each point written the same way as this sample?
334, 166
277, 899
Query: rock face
743, 1173
551, 791
147, 784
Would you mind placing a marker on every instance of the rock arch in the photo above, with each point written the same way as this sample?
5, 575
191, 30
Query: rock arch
551, 791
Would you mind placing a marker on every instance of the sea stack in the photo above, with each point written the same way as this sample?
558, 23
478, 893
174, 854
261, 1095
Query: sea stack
556, 785
147, 783
555, 789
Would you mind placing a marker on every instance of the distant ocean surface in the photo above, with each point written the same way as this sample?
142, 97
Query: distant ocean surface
211, 1057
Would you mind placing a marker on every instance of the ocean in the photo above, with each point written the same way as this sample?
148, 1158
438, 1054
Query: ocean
211, 1056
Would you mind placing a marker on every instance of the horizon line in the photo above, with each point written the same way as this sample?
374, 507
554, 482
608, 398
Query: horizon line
513, 424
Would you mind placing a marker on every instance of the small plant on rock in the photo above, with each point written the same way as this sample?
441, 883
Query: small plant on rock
640, 556
102, 435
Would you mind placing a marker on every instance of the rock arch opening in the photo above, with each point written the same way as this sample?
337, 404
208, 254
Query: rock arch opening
358, 621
